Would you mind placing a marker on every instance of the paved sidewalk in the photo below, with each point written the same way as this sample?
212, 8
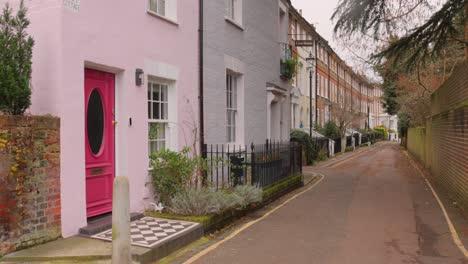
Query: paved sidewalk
374, 209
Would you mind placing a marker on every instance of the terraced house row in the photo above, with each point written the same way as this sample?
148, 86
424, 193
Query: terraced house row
128, 78
324, 83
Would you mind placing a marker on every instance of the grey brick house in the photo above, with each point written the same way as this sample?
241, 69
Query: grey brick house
245, 99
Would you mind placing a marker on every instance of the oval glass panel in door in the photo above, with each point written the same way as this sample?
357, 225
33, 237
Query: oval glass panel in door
95, 121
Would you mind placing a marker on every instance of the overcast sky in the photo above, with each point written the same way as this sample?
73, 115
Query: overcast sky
318, 12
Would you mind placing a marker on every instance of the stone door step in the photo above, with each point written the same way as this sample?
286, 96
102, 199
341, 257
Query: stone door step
99, 224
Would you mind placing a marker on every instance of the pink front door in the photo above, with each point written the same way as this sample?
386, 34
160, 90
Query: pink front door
99, 141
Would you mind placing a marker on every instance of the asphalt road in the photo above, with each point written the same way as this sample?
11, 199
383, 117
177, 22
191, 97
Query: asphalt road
372, 209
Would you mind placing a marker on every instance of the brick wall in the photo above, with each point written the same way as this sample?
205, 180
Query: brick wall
30, 194
443, 147
417, 142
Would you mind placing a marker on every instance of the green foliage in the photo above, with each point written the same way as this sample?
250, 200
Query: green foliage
282, 186
363, 131
198, 202
171, 172
331, 130
305, 140
403, 124
215, 221
349, 149
15, 61
383, 130
248, 194
318, 128
288, 68
322, 155
429, 40
194, 202
390, 103
421, 43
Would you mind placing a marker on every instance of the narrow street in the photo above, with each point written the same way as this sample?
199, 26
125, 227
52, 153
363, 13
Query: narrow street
372, 209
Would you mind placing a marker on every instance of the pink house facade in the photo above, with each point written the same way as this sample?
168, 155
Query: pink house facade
89, 57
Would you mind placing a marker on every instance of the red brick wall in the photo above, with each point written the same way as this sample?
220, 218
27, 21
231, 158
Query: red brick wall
30, 207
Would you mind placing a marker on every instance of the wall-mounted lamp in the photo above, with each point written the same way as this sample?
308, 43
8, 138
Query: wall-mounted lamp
311, 58
139, 77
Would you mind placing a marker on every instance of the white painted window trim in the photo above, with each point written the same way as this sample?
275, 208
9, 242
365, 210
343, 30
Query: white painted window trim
233, 12
170, 10
232, 107
163, 121
235, 66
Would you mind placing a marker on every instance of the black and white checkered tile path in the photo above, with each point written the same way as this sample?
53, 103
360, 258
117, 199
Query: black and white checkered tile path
149, 231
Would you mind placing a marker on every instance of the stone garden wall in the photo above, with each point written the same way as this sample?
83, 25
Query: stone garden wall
30, 207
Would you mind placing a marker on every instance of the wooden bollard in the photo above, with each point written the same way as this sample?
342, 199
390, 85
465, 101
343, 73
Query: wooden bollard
121, 246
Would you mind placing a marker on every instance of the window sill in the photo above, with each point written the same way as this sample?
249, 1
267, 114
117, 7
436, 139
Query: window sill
234, 23
174, 22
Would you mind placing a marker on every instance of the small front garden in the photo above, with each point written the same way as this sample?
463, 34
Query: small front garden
316, 148
233, 204
184, 192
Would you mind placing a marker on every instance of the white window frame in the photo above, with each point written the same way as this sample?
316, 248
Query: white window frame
233, 11
165, 9
162, 141
293, 30
232, 92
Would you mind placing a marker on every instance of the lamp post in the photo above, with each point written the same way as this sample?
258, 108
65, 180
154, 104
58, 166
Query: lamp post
310, 61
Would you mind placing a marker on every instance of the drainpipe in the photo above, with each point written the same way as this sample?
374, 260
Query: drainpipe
360, 103
311, 119
316, 83
200, 86
329, 81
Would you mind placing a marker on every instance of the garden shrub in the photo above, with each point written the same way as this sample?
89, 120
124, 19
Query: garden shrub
349, 149
305, 140
171, 172
382, 130
193, 202
204, 201
322, 155
248, 194
15, 61
331, 130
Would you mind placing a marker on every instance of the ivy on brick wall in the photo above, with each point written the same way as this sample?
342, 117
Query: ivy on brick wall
17, 149
30, 201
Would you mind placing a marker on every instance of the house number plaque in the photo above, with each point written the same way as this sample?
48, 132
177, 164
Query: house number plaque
73, 5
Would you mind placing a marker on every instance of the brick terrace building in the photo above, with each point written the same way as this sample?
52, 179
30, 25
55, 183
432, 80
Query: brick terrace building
334, 83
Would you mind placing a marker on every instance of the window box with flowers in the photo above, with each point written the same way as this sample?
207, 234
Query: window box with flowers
288, 69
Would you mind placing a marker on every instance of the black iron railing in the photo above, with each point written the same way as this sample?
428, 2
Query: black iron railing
260, 165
